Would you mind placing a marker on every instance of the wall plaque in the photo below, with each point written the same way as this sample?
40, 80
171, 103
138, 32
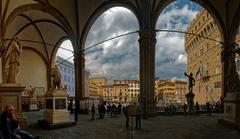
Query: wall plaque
60, 103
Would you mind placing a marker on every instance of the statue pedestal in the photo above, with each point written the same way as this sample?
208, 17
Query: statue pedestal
11, 94
190, 102
33, 104
231, 110
56, 114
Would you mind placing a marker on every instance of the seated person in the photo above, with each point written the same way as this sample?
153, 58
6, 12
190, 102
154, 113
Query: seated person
9, 125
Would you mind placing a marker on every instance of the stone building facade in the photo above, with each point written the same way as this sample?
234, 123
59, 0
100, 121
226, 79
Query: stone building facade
204, 58
116, 93
170, 91
124, 91
96, 85
181, 91
133, 88
68, 77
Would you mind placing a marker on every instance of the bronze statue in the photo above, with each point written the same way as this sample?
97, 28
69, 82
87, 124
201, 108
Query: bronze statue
56, 77
191, 81
14, 60
231, 76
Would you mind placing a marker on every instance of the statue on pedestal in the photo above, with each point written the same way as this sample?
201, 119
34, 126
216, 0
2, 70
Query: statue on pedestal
56, 77
190, 95
191, 81
14, 60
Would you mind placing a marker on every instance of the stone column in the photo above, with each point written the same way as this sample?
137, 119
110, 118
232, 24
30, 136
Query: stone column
79, 88
1, 79
231, 88
1, 58
147, 44
49, 79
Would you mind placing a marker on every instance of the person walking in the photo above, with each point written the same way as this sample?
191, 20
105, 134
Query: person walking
138, 117
208, 108
197, 108
185, 108
125, 112
93, 111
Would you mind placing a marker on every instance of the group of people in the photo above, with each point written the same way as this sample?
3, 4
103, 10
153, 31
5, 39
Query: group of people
133, 111
9, 126
208, 108
114, 110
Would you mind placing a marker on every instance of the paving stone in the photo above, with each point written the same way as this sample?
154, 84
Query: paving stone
160, 127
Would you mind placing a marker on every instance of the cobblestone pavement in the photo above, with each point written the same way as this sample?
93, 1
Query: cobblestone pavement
160, 127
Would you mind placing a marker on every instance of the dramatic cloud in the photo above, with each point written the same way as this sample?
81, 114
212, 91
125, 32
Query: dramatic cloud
119, 58
170, 54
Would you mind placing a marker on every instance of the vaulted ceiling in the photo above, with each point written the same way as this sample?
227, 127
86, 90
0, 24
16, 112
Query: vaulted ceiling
43, 24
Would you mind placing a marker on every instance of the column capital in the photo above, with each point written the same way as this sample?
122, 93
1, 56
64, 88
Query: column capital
79, 56
147, 35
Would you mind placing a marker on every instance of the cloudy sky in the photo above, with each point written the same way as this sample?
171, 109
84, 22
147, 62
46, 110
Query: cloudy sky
119, 58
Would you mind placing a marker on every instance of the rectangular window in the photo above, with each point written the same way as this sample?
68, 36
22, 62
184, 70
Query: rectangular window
217, 85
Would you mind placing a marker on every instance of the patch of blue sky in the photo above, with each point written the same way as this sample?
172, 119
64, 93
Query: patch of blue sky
113, 58
170, 71
181, 3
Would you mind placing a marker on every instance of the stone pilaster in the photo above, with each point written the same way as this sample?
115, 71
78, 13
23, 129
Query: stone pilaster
49, 79
1, 79
79, 63
147, 44
231, 89
82, 76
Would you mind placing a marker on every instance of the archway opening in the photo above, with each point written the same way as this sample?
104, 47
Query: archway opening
37, 43
114, 64
64, 61
188, 41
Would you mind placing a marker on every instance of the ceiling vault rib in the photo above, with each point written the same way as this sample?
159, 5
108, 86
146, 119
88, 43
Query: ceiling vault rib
1, 12
39, 32
5, 11
153, 7
26, 47
36, 21
77, 20
23, 40
137, 3
57, 44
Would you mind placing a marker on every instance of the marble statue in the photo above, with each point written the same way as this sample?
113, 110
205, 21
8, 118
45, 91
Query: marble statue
14, 60
56, 77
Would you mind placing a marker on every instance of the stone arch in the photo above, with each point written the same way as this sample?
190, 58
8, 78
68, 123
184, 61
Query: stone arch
206, 5
99, 11
234, 26
43, 8
28, 73
37, 52
37, 29
57, 45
